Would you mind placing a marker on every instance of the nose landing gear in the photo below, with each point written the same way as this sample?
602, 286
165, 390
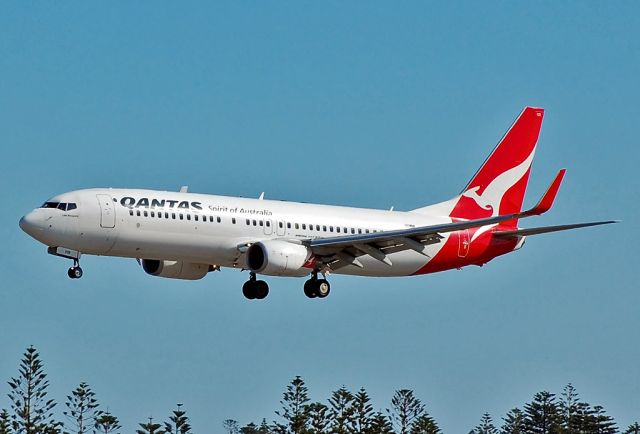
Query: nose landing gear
75, 272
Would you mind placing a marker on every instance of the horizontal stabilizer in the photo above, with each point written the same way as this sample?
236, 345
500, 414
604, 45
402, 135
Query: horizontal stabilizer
547, 229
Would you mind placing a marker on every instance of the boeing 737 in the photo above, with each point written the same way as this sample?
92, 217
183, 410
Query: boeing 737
183, 235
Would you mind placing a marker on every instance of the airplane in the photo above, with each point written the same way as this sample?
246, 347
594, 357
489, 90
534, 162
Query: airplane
183, 235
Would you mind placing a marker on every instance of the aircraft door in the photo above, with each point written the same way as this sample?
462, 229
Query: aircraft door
268, 227
280, 229
107, 211
463, 243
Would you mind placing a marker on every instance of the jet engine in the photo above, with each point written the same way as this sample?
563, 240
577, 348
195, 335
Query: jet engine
175, 269
278, 258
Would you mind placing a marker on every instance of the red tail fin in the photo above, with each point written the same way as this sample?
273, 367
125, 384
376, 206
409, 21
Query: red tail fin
498, 187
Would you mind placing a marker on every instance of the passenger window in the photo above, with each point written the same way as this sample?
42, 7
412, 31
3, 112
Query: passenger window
138, 213
166, 215
261, 223
195, 217
304, 226
366, 230
188, 216
153, 213
353, 231
317, 227
211, 218
220, 220
359, 231
330, 228
324, 228
345, 230
288, 225
268, 223
181, 216
130, 212
248, 222
255, 223
338, 229
233, 220
173, 215
297, 226
146, 214
280, 225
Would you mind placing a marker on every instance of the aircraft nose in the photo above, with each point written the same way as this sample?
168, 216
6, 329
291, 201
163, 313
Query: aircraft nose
29, 224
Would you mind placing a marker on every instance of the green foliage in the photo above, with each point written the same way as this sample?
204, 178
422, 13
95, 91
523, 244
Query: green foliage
150, 428
179, 423
341, 411
294, 409
318, 419
106, 423
82, 409
5, 422
634, 428
362, 413
425, 424
32, 410
231, 426
541, 415
405, 408
380, 424
485, 426
513, 422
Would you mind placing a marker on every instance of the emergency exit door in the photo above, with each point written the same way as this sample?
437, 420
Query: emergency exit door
107, 211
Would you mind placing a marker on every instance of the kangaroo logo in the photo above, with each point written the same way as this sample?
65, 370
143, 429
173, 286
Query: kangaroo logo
491, 197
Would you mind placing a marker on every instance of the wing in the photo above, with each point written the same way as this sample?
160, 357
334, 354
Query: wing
341, 251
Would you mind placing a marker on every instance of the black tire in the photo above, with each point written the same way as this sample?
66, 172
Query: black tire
261, 289
71, 273
310, 288
75, 272
323, 288
248, 290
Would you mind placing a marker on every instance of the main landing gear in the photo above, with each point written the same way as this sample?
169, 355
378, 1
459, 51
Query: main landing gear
315, 287
255, 289
75, 272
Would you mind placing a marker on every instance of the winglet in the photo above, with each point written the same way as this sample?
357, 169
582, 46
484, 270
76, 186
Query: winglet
546, 202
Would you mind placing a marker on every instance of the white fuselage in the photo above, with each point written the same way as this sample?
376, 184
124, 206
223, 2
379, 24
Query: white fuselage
214, 230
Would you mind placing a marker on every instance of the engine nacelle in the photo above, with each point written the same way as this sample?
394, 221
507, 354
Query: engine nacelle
175, 269
278, 258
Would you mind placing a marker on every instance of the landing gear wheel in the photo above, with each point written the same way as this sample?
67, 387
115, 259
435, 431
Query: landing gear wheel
322, 288
75, 272
260, 289
247, 289
310, 288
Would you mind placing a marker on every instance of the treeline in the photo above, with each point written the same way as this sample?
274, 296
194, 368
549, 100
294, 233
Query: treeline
31, 411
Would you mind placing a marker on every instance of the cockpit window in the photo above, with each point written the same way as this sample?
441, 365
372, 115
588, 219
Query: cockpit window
63, 206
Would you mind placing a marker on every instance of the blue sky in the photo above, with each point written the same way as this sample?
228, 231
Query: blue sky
365, 104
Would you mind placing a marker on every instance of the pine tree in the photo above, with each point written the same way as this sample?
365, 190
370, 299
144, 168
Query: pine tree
231, 426
264, 427
541, 415
294, 408
32, 411
485, 426
341, 411
634, 428
107, 423
82, 409
150, 428
405, 409
513, 422
600, 423
5, 422
362, 413
570, 410
318, 418
179, 423
380, 424
425, 424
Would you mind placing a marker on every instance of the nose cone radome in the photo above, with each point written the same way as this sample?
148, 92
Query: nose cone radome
29, 223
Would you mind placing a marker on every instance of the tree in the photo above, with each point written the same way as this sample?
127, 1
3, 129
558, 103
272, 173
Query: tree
405, 409
598, 422
425, 424
541, 415
5, 422
380, 424
107, 423
231, 426
32, 411
179, 423
341, 411
82, 408
318, 418
362, 413
634, 428
294, 408
513, 422
150, 428
570, 410
485, 426
250, 428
